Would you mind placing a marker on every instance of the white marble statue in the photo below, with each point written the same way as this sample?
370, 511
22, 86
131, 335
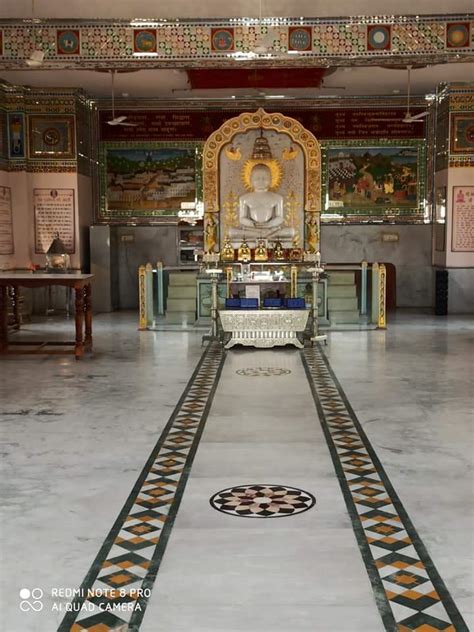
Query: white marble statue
261, 211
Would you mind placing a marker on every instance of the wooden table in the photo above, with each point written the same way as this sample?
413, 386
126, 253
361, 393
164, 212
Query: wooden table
81, 283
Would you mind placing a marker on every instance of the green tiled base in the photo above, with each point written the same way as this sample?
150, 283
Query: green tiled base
342, 291
342, 304
182, 291
182, 278
340, 278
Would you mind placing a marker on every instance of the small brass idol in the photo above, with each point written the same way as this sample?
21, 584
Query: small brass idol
244, 254
261, 252
296, 253
278, 252
227, 252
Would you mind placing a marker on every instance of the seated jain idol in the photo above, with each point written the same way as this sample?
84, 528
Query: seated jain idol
261, 211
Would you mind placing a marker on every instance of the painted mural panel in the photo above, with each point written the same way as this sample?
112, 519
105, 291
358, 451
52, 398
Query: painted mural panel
373, 180
144, 180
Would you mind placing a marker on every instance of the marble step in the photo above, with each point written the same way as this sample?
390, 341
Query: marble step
342, 291
341, 278
182, 291
182, 278
180, 318
344, 317
342, 304
181, 305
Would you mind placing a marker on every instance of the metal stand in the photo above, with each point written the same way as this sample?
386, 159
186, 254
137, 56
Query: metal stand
315, 335
214, 331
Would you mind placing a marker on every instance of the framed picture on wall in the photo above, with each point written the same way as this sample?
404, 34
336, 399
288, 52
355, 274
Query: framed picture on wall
462, 133
147, 182
54, 213
51, 136
374, 182
462, 239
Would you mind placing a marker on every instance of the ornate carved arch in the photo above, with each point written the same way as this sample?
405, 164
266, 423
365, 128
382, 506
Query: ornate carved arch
266, 121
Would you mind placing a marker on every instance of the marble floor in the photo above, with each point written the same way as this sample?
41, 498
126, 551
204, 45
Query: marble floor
109, 466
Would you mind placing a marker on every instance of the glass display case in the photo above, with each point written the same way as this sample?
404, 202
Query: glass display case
190, 243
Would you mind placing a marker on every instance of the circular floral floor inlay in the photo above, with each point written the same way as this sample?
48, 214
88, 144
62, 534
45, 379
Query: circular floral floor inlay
262, 501
263, 371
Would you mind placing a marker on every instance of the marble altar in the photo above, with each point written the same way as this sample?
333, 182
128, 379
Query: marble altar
264, 328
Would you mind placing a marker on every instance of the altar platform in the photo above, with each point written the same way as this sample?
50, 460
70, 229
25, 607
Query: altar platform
350, 296
264, 328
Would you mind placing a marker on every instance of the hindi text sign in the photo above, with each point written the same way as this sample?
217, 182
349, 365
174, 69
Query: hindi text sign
54, 213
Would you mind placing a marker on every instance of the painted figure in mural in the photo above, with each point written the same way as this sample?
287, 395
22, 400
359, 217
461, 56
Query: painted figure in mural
261, 211
388, 185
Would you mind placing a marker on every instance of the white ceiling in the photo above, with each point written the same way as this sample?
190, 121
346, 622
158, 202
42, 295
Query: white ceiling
128, 9
173, 83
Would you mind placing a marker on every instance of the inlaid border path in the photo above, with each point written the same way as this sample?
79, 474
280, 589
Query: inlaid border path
127, 564
408, 590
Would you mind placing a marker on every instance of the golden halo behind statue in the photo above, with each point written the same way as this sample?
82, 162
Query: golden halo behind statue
273, 165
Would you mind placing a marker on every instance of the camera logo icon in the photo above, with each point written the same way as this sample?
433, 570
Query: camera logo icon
31, 600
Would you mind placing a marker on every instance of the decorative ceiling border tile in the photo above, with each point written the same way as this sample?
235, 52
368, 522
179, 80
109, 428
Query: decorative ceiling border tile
231, 42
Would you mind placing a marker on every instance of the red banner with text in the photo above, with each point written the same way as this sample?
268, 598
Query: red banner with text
334, 124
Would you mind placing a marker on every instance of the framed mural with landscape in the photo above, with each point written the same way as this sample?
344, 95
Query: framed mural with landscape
146, 182
367, 183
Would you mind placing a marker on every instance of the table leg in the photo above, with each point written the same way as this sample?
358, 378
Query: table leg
88, 316
3, 319
79, 316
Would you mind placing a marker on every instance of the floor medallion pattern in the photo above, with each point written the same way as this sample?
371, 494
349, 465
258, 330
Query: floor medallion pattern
262, 501
125, 568
262, 371
410, 594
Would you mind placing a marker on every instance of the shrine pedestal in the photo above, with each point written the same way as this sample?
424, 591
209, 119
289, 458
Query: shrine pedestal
264, 328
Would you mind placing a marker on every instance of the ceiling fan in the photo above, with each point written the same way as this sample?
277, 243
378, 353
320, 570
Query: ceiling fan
117, 120
415, 118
